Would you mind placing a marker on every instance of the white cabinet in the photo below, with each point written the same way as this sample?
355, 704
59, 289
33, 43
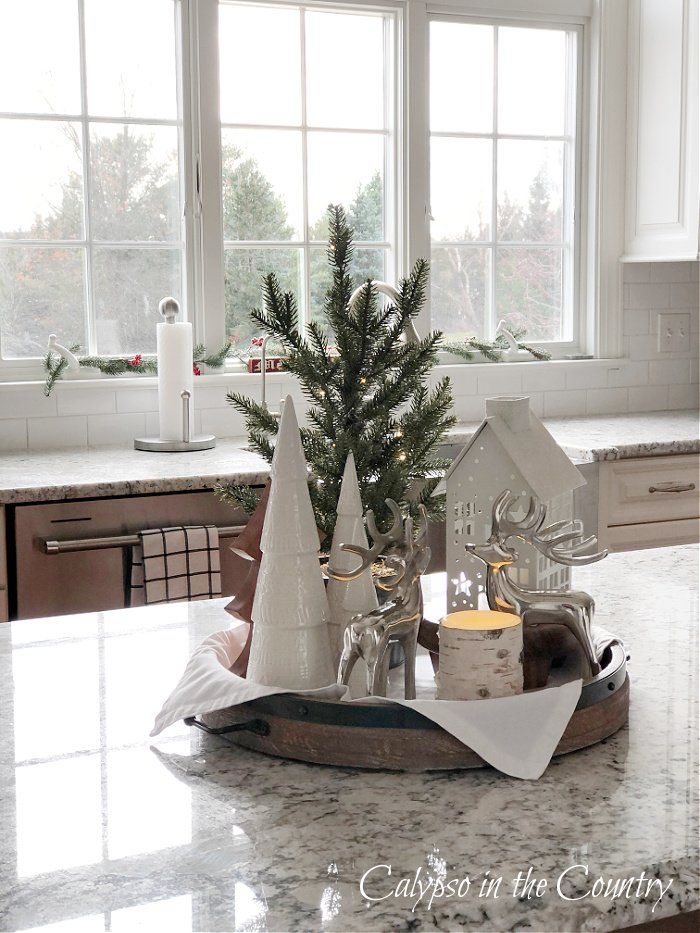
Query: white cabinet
649, 502
662, 131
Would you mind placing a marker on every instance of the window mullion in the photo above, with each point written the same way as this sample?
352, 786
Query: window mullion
416, 148
306, 266
90, 328
206, 145
186, 79
492, 314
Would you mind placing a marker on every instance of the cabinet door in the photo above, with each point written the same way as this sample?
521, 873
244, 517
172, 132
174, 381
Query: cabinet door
662, 125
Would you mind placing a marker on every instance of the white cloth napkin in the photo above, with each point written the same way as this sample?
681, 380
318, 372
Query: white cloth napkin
516, 735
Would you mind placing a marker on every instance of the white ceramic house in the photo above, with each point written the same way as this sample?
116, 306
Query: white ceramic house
513, 450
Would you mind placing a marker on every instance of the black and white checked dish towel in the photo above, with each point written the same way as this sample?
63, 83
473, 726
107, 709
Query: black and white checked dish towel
175, 564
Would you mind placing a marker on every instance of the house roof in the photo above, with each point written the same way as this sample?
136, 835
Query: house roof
541, 461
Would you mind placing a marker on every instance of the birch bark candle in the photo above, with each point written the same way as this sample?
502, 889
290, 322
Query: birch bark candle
174, 348
481, 655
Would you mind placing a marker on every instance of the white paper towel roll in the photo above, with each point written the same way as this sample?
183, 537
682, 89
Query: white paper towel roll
174, 342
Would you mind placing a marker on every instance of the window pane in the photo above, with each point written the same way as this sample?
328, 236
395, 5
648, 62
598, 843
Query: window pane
130, 52
530, 179
344, 37
41, 184
39, 56
135, 189
262, 184
366, 264
529, 291
347, 169
129, 284
461, 77
244, 269
460, 290
531, 81
260, 64
42, 292
460, 189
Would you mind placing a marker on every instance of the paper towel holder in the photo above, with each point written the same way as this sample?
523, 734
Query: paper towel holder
170, 309
187, 442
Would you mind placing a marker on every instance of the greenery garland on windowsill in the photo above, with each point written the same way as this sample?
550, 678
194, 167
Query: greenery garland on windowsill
493, 350
55, 365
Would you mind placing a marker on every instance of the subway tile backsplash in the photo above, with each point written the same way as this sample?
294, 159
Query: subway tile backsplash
647, 380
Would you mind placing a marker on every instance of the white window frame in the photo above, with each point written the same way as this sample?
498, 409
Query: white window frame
30, 367
601, 136
602, 166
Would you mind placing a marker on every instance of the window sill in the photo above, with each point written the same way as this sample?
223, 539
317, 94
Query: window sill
448, 365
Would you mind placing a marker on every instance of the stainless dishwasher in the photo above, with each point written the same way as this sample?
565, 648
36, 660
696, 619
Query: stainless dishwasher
45, 584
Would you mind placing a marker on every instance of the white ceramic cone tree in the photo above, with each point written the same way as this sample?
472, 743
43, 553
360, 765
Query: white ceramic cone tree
290, 646
346, 599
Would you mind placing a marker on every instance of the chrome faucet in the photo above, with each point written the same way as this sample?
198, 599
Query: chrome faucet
263, 375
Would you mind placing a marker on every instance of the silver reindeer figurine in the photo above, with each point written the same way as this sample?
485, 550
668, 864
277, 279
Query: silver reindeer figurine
367, 636
563, 543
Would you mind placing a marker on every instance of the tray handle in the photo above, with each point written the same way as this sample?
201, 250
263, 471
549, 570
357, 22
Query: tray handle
256, 726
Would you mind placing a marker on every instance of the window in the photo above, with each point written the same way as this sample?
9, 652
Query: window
199, 151
90, 206
503, 191
294, 140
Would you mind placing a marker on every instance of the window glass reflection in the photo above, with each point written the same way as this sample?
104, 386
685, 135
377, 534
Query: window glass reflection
56, 685
135, 686
147, 807
173, 914
59, 822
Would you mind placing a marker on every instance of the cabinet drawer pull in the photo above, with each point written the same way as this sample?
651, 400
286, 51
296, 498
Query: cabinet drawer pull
673, 487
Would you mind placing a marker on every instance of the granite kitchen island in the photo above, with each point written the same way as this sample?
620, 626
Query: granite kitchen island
104, 829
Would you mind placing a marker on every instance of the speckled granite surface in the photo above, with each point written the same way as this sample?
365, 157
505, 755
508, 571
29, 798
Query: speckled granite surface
102, 832
121, 471
618, 437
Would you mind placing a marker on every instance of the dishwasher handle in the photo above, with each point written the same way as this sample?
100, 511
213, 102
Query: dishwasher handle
69, 546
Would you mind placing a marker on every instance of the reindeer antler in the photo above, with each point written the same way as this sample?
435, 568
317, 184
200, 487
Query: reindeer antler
414, 556
504, 526
380, 540
562, 541
568, 548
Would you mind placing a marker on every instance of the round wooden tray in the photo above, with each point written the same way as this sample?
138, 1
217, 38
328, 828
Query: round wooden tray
381, 736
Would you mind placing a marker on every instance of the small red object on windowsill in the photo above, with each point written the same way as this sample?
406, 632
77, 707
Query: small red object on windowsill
273, 364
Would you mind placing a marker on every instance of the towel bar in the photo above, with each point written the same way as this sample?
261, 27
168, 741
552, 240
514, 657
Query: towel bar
50, 546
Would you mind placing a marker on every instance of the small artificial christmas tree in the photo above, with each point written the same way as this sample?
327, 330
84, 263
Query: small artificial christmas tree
347, 598
368, 395
290, 646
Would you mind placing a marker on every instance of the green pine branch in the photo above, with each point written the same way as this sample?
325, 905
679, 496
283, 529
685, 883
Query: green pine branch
371, 398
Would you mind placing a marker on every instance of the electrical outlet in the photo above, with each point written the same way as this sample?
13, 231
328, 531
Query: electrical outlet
674, 331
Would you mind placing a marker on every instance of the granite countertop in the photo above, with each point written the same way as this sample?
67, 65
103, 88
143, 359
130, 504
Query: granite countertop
104, 829
618, 437
43, 476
